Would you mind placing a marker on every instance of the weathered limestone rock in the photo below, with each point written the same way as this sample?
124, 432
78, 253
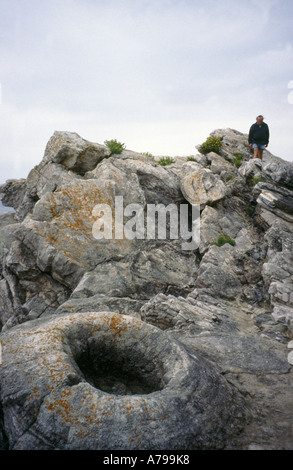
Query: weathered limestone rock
7, 218
134, 176
279, 201
284, 314
13, 192
280, 171
233, 142
202, 187
107, 381
250, 169
58, 239
216, 328
226, 311
218, 164
216, 273
74, 152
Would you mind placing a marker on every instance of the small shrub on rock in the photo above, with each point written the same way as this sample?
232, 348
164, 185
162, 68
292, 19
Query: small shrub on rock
256, 179
237, 160
222, 239
114, 146
164, 161
229, 178
212, 144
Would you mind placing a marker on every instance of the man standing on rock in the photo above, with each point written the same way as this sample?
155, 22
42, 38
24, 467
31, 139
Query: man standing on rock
258, 137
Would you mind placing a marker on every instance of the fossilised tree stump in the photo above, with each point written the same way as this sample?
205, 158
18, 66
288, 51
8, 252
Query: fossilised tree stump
108, 381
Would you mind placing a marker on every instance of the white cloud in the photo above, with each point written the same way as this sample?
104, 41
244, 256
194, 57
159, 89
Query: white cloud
159, 76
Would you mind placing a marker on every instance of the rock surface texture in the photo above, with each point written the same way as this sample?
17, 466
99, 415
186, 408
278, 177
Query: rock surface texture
131, 341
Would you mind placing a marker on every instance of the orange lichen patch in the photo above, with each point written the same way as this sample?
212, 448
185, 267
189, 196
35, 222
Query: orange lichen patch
62, 406
34, 395
58, 373
74, 205
70, 227
6, 347
130, 406
118, 324
85, 416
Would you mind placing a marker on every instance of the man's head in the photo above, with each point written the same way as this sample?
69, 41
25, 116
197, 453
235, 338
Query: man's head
259, 119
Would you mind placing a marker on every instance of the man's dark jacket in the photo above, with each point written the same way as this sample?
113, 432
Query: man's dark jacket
259, 134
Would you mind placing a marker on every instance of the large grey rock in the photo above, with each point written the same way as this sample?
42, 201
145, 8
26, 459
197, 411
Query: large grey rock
218, 164
277, 270
233, 142
12, 192
7, 218
230, 305
215, 329
280, 171
218, 274
279, 201
56, 237
107, 381
74, 152
250, 169
202, 187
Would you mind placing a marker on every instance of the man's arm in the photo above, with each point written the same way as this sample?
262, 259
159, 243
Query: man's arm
268, 135
250, 135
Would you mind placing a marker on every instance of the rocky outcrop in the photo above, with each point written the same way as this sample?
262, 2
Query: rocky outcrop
108, 381
116, 335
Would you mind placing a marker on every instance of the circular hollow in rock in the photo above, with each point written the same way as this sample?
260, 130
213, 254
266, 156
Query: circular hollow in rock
114, 359
90, 381
116, 370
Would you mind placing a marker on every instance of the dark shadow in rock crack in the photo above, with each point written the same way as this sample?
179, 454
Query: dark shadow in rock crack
115, 368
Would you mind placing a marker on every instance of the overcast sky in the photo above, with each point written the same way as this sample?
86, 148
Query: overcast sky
157, 75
